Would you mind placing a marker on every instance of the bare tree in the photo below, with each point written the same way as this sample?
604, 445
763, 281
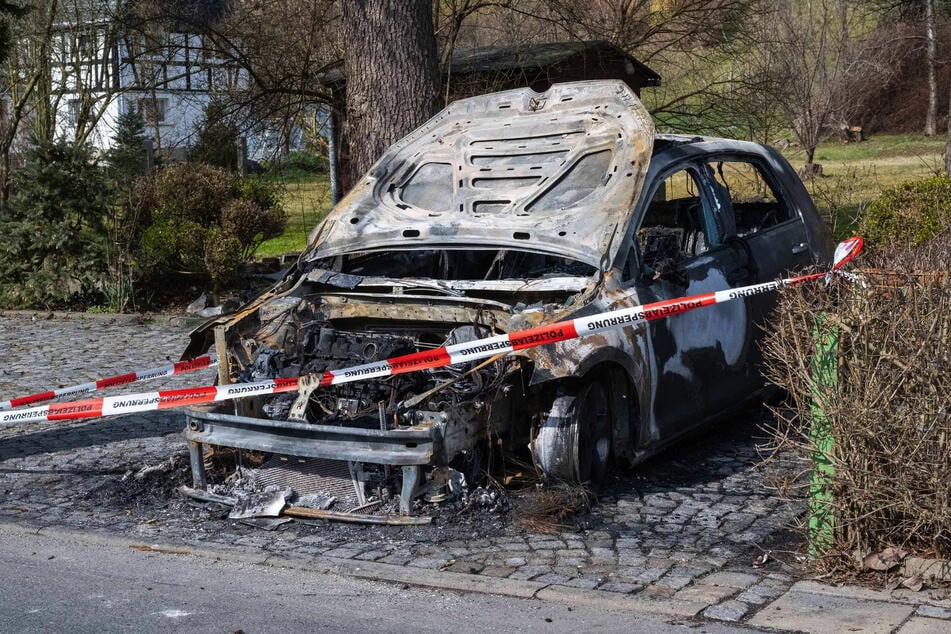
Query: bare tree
450, 17
9, 12
697, 46
947, 145
931, 125
27, 85
647, 28
825, 59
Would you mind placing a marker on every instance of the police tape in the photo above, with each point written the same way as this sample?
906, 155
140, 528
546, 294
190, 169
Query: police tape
198, 363
443, 356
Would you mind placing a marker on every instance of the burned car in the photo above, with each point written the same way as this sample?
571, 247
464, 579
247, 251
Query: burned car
505, 212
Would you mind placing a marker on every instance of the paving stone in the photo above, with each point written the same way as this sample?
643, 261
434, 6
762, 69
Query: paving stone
740, 580
582, 582
570, 561
466, 567
934, 612
923, 625
673, 582
659, 563
760, 593
600, 535
397, 559
660, 501
826, 614
513, 554
553, 578
542, 557
526, 573
628, 559
497, 571
649, 575
572, 552
660, 592
683, 571
704, 593
623, 588
342, 553
729, 611
430, 563
515, 562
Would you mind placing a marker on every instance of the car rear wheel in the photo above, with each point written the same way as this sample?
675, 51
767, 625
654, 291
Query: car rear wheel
574, 442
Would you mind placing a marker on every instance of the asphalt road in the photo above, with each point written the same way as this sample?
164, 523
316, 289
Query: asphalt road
78, 583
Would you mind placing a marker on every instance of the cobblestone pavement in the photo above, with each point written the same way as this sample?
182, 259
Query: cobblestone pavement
686, 525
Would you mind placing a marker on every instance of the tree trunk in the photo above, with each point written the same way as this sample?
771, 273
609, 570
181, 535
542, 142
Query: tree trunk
390, 66
947, 146
931, 127
809, 170
27, 81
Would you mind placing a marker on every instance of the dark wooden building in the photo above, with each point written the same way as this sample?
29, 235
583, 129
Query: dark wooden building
478, 71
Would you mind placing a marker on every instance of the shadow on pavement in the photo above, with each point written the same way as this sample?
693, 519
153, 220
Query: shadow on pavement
729, 446
92, 433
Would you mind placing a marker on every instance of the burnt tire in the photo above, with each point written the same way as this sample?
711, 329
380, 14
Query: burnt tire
574, 442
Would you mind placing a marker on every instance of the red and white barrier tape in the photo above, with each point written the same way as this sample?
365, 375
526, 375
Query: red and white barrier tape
198, 363
446, 355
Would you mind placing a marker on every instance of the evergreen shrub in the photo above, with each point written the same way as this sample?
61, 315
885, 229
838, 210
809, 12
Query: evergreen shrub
909, 213
54, 252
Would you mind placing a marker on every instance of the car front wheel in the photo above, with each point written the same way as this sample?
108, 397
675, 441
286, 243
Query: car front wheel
574, 442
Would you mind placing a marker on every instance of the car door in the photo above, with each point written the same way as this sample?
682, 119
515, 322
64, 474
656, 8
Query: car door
766, 222
681, 247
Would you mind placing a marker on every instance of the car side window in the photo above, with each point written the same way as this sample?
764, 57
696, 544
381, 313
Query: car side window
756, 205
678, 224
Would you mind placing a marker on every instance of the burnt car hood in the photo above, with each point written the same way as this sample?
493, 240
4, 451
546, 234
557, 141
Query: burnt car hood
555, 172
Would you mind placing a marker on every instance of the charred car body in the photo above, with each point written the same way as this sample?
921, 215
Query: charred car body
504, 212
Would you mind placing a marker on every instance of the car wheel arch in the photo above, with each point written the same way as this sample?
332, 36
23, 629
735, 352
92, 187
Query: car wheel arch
554, 448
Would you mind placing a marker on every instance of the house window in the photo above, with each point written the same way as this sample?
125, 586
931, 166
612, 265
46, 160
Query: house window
73, 107
153, 110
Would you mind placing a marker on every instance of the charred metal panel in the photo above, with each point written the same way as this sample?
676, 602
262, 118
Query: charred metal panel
420, 445
556, 172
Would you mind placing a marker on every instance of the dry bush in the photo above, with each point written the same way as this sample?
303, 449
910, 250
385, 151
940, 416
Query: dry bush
890, 410
549, 509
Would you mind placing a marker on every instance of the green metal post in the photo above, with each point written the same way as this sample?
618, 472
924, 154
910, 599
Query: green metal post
824, 380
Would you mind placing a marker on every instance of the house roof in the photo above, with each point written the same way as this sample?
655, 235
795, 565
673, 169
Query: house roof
498, 58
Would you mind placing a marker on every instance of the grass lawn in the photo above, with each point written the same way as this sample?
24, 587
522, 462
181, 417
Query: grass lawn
853, 175
307, 201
